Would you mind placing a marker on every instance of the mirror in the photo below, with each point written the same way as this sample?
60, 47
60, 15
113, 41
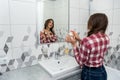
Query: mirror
52, 20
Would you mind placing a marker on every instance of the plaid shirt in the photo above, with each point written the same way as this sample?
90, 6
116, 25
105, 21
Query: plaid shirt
91, 50
45, 38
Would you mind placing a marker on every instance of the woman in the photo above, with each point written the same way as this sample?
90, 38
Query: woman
48, 34
90, 52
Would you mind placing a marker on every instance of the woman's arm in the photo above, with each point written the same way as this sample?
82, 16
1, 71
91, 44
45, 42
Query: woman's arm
53, 38
80, 51
42, 37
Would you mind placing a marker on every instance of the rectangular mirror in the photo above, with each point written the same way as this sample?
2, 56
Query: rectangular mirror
52, 20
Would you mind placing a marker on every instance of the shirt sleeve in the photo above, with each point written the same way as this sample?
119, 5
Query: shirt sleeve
42, 37
53, 38
81, 53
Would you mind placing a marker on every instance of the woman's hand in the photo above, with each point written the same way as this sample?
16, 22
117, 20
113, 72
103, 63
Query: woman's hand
72, 40
76, 36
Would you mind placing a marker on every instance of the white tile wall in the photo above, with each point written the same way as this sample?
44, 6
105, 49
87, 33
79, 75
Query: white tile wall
101, 4
116, 33
31, 32
48, 10
79, 14
58, 15
20, 22
116, 4
109, 30
4, 34
75, 4
4, 12
84, 4
35, 51
17, 53
7, 56
74, 16
18, 31
116, 19
22, 12
25, 0
84, 16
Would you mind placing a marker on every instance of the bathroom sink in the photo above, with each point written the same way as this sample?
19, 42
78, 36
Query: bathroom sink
62, 66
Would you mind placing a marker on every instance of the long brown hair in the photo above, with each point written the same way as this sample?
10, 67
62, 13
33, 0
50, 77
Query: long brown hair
97, 23
46, 25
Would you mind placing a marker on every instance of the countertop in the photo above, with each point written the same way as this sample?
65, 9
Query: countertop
35, 72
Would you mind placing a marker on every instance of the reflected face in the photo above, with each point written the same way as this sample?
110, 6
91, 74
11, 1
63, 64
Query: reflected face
50, 24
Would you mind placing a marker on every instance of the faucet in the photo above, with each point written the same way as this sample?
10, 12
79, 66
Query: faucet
44, 51
57, 55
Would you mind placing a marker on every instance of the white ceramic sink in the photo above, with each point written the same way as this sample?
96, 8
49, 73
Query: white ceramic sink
62, 66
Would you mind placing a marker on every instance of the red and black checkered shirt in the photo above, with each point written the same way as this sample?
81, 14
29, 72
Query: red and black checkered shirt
45, 38
91, 50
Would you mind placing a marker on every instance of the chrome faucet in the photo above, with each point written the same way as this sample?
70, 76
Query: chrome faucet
57, 55
44, 51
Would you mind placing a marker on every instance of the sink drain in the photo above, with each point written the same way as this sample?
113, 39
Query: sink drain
58, 62
61, 68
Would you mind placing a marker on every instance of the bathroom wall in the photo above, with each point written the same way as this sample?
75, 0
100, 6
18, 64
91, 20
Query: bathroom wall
79, 14
112, 9
18, 33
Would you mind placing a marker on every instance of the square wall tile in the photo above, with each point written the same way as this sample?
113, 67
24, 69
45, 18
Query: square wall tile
60, 3
101, 4
74, 16
113, 42
48, 11
22, 54
31, 37
84, 4
84, 16
116, 4
17, 53
22, 12
22, 35
75, 3
116, 19
116, 32
4, 35
109, 31
74, 27
34, 51
25, 0
5, 57
82, 31
54, 47
61, 15
4, 12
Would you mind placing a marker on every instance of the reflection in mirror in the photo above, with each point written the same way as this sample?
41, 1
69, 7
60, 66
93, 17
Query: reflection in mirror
47, 35
52, 20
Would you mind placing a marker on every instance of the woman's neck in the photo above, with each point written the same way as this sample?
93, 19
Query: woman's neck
48, 29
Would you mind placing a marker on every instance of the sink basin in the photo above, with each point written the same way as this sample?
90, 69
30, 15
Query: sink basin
62, 66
